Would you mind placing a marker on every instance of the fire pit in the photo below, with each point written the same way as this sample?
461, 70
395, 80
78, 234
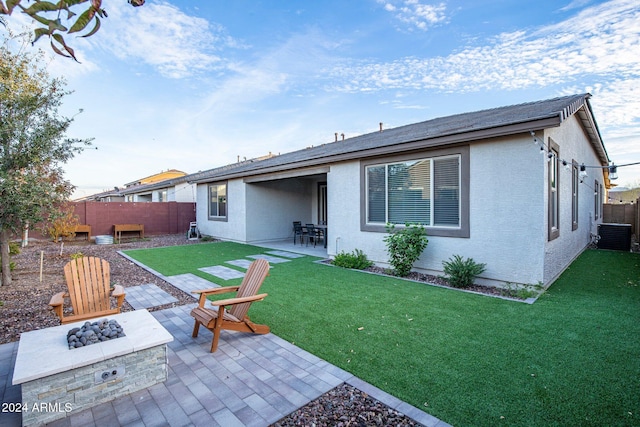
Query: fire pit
93, 333
71, 381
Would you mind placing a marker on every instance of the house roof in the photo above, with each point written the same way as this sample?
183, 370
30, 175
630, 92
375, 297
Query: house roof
459, 128
167, 183
97, 196
160, 176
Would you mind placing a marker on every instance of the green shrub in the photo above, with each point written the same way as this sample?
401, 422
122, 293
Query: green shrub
14, 248
12, 266
356, 259
405, 245
77, 255
523, 292
461, 272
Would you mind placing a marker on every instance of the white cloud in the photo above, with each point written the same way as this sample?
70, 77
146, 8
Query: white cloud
158, 34
590, 43
161, 35
416, 14
575, 4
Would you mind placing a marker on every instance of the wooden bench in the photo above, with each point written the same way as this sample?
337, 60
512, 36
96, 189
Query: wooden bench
119, 228
83, 228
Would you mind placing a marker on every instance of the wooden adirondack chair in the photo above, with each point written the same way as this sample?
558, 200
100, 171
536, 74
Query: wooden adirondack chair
88, 284
235, 318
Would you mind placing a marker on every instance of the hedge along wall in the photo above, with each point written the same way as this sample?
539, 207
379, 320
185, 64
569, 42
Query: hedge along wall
157, 217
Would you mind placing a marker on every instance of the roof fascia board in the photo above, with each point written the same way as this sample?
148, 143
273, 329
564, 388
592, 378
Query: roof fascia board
450, 139
585, 116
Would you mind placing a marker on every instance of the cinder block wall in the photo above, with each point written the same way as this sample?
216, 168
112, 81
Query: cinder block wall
158, 217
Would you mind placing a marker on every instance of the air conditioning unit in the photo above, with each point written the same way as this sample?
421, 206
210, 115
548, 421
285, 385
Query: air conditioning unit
615, 236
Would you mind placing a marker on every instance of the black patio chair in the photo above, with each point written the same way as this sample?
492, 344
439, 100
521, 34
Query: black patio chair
298, 230
314, 233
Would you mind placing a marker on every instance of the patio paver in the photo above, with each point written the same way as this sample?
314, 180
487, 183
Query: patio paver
147, 296
189, 282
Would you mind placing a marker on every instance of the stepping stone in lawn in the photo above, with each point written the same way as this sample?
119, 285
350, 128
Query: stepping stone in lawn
285, 254
242, 263
272, 259
222, 272
189, 282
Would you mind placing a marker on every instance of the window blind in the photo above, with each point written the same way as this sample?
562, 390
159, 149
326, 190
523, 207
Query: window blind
425, 191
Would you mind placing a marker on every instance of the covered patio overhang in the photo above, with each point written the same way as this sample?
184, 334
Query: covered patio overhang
275, 200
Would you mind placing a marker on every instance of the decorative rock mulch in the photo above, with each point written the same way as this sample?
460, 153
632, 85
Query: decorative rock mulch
345, 406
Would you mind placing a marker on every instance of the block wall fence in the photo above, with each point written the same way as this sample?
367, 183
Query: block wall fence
157, 217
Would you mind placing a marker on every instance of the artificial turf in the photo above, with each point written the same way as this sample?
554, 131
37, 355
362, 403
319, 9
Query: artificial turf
571, 358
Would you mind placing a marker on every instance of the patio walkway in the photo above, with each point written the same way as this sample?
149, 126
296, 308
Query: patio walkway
252, 380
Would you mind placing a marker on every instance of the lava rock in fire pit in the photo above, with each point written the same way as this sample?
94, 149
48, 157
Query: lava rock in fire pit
92, 333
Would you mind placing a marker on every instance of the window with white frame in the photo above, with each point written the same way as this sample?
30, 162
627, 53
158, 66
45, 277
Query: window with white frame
421, 191
218, 201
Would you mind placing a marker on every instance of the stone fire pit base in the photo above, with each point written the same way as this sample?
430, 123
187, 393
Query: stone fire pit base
57, 382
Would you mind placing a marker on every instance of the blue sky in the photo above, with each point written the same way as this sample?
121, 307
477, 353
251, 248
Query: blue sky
193, 85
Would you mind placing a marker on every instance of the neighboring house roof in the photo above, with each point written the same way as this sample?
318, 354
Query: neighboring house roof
167, 183
99, 196
145, 184
162, 176
459, 128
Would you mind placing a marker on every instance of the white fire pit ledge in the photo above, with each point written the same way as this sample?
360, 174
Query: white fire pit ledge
58, 381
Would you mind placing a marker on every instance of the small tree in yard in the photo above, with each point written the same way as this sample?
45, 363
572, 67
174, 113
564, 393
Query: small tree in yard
32, 147
405, 245
61, 224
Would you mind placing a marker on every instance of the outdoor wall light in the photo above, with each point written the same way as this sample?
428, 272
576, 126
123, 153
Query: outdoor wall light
583, 171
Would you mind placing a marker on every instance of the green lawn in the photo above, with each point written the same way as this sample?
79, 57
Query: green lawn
570, 359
